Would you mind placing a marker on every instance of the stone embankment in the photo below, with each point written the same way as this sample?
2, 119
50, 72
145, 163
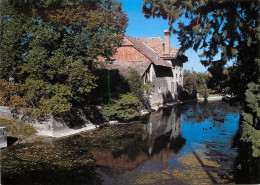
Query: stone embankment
211, 98
48, 126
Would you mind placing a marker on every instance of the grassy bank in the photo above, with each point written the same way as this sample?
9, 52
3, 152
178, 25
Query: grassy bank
16, 129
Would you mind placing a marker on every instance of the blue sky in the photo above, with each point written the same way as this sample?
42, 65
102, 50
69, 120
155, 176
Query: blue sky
139, 26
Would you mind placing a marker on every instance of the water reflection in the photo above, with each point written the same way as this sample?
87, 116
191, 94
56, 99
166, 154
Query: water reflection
162, 134
161, 139
171, 133
157, 145
163, 128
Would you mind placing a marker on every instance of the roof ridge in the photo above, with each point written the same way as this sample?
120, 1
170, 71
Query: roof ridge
157, 59
138, 48
149, 47
149, 37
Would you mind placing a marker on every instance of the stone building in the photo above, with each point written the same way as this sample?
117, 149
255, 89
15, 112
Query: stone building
156, 61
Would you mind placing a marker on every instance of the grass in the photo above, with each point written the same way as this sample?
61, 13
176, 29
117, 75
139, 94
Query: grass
16, 129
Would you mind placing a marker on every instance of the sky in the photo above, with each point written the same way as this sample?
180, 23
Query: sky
139, 26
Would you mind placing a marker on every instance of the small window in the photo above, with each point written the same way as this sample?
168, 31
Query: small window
159, 90
163, 47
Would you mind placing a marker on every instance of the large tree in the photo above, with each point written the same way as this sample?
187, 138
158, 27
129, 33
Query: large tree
230, 28
48, 46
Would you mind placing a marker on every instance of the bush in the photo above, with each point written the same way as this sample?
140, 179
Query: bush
127, 107
9, 96
17, 129
204, 93
138, 89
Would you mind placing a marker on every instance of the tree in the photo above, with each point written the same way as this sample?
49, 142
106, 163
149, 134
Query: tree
49, 48
138, 89
195, 82
229, 27
128, 105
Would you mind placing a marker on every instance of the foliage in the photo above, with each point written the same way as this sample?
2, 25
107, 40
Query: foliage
251, 118
127, 107
197, 82
219, 78
49, 48
138, 89
9, 96
17, 129
135, 83
227, 27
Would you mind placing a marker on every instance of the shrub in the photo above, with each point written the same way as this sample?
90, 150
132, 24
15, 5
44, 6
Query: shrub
127, 107
9, 95
138, 89
17, 129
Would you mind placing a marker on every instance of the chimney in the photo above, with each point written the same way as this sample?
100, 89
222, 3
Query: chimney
167, 42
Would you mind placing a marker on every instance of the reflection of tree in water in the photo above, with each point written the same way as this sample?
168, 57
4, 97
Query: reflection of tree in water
199, 112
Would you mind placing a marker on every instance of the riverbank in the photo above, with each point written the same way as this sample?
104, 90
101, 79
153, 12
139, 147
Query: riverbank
88, 127
175, 145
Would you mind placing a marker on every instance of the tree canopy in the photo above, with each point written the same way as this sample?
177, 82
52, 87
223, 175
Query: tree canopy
230, 28
49, 47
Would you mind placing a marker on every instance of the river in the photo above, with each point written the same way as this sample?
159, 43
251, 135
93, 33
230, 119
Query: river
185, 144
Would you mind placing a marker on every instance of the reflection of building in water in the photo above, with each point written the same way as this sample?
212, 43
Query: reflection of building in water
106, 158
164, 122
162, 138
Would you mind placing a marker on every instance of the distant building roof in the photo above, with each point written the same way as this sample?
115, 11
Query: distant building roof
148, 52
156, 43
151, 50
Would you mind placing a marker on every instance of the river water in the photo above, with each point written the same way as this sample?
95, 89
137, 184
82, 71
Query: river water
185, 144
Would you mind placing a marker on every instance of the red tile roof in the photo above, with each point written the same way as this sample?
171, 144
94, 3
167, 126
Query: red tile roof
150, 48
148, 52
156, 44
125, 67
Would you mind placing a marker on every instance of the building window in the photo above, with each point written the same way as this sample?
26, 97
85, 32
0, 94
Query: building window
163, 47
159, 90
